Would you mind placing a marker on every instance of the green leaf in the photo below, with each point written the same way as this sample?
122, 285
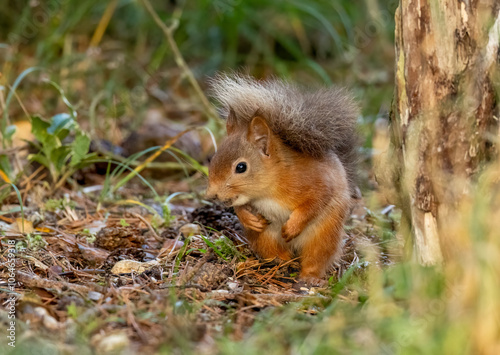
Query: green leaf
49, 142
80, 148
9, 132
59, 123
40, 159
59, 157
39, 128
5, 165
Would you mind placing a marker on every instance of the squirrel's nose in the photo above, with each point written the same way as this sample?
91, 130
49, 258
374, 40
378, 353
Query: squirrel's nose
211, 194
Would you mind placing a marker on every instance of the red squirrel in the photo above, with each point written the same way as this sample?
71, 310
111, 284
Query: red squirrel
287, 167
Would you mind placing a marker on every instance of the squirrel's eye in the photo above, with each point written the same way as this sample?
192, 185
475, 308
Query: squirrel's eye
241, 168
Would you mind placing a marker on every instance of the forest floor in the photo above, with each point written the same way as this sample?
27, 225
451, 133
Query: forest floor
128, 274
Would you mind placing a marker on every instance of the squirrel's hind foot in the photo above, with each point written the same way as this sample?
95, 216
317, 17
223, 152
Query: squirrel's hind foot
310, 281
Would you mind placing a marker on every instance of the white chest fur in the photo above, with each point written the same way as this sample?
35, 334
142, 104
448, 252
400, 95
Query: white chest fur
272, 211
277, 216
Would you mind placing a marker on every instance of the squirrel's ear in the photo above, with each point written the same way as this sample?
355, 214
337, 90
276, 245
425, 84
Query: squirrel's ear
260, 134
231, 121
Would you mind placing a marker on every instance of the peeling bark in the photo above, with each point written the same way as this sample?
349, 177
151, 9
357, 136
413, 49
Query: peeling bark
444, 119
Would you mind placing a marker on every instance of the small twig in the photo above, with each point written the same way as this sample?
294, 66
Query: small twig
283, 297
269, 297
32, 176
131, 319
168, 31
35, 261
83, 272
181, 287
13, 150
20, 103
164, 250
274, 270
155, 235
33, 280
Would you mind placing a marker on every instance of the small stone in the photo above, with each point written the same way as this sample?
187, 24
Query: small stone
51, 323
40, 311
94, 296
48, 321
113, 343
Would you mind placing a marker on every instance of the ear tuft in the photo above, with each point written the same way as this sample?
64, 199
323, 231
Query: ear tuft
231, 121
260, 134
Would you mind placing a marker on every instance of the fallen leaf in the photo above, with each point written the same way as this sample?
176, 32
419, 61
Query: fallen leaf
92, 254
23, 133
24, 226
44, 230
127, 266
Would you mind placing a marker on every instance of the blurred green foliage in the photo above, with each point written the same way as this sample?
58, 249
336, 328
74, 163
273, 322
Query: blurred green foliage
312, 41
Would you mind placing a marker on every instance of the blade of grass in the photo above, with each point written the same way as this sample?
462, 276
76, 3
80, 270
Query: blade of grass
311, 10
20, 199
103, 23
344, 280
137, 170
5, 121
127, 163
92, 111
63, 97
144, 181
193, 162
212, 245
178, 258
134, 202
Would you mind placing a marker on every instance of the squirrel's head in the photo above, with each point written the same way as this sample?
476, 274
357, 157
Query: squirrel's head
241, 170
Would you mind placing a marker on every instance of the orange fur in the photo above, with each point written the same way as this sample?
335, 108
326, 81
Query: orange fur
267, 247
323, 246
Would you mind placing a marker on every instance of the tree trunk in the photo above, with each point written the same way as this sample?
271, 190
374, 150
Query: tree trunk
444, 120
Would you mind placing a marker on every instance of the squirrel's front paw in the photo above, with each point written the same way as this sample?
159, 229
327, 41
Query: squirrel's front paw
289, 231
254, 222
